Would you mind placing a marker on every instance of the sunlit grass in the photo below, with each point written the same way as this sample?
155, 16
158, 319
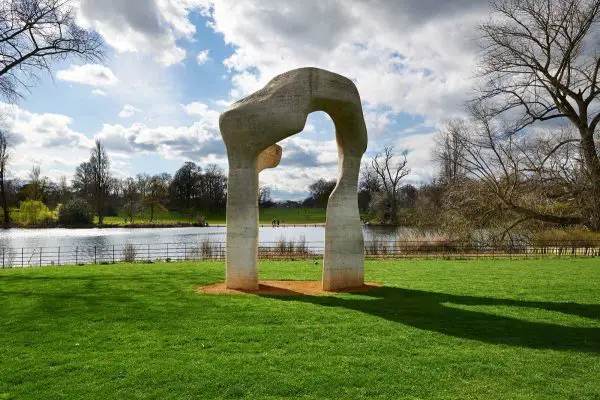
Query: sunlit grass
437, 329
267, 215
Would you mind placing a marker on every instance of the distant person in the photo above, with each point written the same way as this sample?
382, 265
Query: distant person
277, 222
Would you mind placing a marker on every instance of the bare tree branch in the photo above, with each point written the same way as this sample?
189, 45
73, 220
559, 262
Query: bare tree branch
36, 33
540, 62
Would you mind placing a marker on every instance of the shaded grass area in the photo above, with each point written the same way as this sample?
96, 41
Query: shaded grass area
438, 329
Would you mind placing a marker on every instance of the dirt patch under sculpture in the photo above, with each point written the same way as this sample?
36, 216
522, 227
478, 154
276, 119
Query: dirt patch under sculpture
283, 288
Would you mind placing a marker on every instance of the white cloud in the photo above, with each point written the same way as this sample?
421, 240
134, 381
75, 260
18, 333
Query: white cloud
405, 56
48, 140
410, 57
419, 158
128, 111
43, 139
223, 103
203, 57
149, 86
199, 142
88, 74
208, 116
144, 26
195, 142
411, 60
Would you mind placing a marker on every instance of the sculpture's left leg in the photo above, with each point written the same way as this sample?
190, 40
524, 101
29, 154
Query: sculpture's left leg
242, 227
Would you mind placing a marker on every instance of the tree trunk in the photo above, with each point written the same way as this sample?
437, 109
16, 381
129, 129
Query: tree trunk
393, 208
99, 209
592, 163
4, 202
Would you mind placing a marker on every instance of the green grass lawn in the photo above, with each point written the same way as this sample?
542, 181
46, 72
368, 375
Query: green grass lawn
144, 218
521, 329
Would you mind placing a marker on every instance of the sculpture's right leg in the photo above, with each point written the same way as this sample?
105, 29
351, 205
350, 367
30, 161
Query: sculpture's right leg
242, 227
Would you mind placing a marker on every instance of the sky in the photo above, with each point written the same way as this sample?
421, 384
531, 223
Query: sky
173, 66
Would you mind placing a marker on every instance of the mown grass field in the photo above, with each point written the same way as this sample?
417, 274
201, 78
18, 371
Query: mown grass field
284, 215
521, 329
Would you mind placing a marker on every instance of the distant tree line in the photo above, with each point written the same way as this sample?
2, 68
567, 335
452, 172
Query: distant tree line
192, 190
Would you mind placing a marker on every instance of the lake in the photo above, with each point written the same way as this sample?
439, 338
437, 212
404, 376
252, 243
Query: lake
55, 237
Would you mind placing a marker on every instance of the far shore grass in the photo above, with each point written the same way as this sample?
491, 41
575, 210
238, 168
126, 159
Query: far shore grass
481, 329
294, 216
287, 216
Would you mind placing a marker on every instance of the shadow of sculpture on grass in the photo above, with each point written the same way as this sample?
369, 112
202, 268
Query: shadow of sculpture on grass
446, 314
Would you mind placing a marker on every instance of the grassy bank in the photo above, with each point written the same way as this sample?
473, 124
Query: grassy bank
437, 329
284, 215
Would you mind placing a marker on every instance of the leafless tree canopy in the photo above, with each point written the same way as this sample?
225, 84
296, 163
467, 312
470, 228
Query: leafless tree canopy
541, 62
512, 179
449, 151
36, 33
390, 168
542, 58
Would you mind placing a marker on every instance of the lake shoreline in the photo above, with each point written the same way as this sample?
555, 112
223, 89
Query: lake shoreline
163, 226
46, 241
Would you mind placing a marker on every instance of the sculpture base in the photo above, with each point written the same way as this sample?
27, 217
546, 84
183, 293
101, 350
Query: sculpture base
284, 288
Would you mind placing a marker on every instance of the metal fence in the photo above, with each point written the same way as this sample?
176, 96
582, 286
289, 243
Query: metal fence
285, 250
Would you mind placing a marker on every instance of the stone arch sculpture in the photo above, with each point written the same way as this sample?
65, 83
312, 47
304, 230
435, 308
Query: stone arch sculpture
252, 127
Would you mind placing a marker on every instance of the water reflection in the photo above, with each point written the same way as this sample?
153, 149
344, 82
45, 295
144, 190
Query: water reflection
30, 238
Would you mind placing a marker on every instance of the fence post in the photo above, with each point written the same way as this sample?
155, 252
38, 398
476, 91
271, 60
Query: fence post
76, 254
41, 248
95, 255
22, 257
58, 255
3, 258
185, 251
167, 250
113, 253
148, 251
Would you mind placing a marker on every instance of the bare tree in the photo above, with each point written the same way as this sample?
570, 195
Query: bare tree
513, 179
185, 184
38, 184
101, 179
368, 186
449, 151
36, 33
541, 62
264, 196
369, 180
64, 192
157, 190
4, 158
320, 190
83, 182
131, 197
391, 169
213, 187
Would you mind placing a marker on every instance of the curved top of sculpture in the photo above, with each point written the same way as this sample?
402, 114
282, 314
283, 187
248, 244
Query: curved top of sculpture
279, 110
